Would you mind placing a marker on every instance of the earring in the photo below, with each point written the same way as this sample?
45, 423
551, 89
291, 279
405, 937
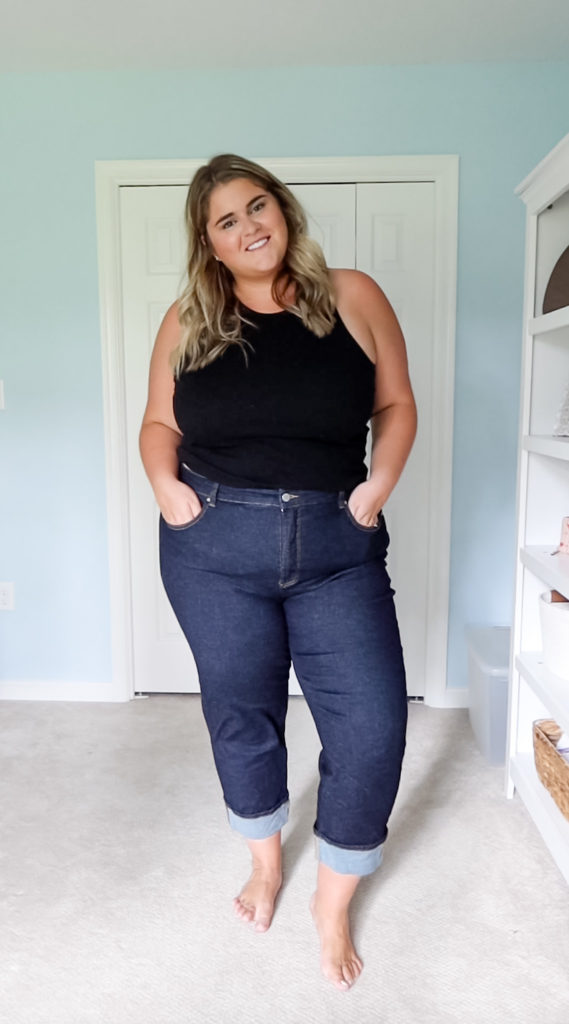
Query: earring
217, 258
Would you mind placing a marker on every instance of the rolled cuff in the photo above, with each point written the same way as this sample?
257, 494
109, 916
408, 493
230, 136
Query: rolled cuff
262, 827
349, 862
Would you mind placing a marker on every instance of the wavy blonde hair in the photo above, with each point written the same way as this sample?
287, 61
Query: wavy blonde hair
208, 309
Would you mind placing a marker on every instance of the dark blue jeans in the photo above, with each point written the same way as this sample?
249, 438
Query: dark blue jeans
261, 577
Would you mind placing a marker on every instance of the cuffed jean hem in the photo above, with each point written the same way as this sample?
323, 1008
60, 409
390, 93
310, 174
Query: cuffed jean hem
262, 827
349, 862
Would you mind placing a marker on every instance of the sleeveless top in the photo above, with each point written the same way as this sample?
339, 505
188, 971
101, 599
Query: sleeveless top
293, 414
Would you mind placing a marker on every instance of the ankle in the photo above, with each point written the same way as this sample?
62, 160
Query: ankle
328, 909
267, 874
267, 866
334, 892
266, 856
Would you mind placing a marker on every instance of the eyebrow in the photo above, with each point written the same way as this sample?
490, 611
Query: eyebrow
261, 195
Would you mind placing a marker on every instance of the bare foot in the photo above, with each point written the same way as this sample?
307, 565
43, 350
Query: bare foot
256, 901
339, 961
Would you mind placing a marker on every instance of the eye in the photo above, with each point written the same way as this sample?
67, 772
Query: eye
227, 224
259, 205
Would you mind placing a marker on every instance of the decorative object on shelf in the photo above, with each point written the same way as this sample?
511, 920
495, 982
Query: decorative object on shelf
562, 425
552, 768
554, 615
564, 542
557, 291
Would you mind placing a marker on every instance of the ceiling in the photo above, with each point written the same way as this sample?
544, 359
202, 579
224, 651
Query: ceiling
52, 35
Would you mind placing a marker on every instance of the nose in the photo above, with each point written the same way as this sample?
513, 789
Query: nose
251, 223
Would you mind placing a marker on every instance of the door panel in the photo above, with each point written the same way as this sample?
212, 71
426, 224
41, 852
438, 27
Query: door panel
331, 221
152, 250
395, 246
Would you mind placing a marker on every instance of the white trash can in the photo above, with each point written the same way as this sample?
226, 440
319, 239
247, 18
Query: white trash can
488, 671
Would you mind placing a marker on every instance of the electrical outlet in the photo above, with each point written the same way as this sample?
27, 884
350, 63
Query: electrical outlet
6, 597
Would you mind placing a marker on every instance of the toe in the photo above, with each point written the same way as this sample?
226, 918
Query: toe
349, 975
242, 911
335, 975
263, 917
351, 970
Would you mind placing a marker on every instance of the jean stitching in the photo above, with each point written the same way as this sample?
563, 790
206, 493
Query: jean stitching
352, 519
240, 501
298, 542
350, 849
291, 581
282, 546
261, 814
187, 526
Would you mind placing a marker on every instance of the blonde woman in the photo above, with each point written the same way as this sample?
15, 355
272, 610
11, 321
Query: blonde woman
263, 379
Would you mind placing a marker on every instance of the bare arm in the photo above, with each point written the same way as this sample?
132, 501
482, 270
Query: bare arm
160, 434
394, 420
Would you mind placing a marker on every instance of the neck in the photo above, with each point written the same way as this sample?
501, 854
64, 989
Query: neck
260, 296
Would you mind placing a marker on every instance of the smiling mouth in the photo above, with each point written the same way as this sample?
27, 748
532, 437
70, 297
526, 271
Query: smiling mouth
258, 244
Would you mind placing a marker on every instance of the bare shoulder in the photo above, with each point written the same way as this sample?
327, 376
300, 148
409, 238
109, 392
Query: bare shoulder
169, 331
354, 288
364, 308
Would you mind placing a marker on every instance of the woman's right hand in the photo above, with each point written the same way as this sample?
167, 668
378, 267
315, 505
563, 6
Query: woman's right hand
178, 503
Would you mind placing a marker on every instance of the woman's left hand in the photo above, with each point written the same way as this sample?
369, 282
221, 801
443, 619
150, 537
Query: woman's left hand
366, 502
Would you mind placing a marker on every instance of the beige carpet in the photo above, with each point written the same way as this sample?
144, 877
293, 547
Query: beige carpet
118, 869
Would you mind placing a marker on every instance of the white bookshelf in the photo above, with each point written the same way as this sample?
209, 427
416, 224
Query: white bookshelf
543, 495
546, 322
552, 569
543, 809
555, 447
550, 689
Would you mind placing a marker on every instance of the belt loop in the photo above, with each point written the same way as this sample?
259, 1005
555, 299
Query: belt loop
341, 499
212, 495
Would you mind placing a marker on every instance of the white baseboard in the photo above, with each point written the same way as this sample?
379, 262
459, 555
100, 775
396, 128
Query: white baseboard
52, 689
452, 697
456, 697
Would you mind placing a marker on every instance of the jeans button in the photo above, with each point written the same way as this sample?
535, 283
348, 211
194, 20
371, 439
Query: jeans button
286, 497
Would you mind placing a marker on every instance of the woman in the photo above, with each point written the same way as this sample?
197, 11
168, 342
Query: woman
262, 381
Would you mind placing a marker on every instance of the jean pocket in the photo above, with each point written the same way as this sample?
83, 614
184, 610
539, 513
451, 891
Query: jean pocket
359, 526
186, 526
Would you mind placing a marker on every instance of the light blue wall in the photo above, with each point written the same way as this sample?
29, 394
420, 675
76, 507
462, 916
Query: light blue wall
501, 119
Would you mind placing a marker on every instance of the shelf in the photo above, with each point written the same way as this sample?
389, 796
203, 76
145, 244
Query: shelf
544, 444
552, 690
552, 569
543, 493
553, 826
549, 321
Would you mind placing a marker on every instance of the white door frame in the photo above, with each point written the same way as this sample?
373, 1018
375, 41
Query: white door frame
443, 172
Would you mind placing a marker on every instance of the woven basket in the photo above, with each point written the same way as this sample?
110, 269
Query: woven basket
552, 768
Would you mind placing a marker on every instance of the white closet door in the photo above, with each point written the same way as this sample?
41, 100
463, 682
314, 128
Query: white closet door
395, 246
330, 210
152, 257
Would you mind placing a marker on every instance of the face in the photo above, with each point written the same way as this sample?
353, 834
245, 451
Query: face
246, 229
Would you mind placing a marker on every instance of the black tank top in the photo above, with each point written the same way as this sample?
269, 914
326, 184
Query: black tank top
293, 416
